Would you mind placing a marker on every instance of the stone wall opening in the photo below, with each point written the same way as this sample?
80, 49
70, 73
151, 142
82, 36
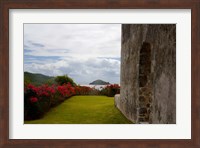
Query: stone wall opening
145, 86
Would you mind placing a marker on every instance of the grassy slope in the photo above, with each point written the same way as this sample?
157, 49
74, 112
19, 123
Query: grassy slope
37, 79
84, 110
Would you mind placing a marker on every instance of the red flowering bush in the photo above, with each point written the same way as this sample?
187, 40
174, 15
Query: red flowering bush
84, 90
66, 90
32, 87
43, 90
111, 90
32, 108
40, 99
33, 99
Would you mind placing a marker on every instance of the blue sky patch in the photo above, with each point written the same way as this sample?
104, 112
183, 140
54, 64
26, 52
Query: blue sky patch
38, 59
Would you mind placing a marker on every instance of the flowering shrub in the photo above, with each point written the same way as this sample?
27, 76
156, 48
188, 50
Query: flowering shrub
84, 90
66, 90
39, 100
111, 90
31, 106
33, 99
43, 90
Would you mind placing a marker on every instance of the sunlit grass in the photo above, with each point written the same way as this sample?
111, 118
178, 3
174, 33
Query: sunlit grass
84, 110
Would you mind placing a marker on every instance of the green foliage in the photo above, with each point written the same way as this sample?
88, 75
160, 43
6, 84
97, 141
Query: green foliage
27, 80
64, 80
50, 81
84, 110
37, 79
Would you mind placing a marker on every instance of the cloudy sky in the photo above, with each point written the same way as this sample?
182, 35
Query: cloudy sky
85, 52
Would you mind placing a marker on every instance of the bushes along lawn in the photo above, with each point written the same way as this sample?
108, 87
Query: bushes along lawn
84, 110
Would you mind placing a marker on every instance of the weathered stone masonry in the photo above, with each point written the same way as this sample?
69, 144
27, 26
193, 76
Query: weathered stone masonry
148, 73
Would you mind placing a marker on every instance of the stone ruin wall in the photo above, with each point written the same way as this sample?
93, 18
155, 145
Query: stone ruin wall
148, 73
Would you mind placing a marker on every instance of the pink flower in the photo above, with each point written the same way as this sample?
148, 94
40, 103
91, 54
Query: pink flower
30, 86
33, 99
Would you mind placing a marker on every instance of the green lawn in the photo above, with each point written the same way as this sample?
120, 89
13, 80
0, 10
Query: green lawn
84, 110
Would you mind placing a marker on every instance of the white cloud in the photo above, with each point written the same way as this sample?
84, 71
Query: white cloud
75, 50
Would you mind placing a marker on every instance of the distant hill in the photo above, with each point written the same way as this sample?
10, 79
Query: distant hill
99, 82
37, 79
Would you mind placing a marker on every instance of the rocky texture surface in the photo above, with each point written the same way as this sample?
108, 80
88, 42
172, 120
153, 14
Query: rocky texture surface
148, 73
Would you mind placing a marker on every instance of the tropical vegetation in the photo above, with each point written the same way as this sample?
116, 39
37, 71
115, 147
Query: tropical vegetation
41, 98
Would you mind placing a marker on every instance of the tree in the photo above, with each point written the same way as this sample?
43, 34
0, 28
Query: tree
64, 80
